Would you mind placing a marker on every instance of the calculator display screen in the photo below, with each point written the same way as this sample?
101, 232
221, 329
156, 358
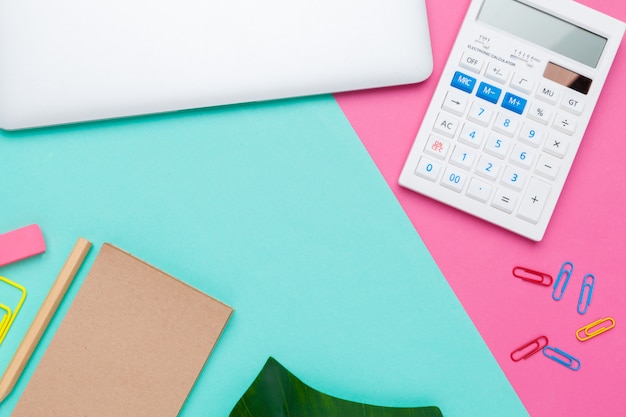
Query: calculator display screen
544, 30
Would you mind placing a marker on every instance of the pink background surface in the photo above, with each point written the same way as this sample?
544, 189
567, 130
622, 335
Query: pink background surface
588, 228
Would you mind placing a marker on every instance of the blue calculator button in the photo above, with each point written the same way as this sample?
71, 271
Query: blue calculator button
488, 92
514, 103
463, 82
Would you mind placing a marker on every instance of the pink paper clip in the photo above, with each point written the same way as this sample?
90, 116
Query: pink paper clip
529, 349
533, 276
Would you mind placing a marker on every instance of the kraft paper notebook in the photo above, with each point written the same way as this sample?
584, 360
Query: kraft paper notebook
132, 344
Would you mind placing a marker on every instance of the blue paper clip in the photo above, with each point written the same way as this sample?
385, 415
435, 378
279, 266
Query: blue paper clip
561, 357
583, 305
565, 272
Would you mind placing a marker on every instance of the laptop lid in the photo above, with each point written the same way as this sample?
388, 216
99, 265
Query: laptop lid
67, 61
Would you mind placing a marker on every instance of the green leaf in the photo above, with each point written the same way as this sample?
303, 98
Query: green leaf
276, 392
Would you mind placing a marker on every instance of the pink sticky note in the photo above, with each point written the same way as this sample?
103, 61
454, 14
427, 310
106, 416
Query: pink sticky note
21, 243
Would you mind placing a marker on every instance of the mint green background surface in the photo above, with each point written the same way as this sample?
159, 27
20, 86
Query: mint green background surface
277, 210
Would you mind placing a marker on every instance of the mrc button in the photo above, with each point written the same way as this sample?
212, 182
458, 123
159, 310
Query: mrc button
463, 82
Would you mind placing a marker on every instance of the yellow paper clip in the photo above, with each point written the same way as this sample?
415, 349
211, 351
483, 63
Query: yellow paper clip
9, 316
588, 331
5, 318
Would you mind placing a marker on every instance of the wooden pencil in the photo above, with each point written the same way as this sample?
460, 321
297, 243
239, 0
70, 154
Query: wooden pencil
42, 319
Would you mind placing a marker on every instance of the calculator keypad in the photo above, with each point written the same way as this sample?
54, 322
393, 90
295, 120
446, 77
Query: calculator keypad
499, 138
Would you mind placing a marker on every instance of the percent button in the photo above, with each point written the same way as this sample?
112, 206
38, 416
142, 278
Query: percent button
540, 112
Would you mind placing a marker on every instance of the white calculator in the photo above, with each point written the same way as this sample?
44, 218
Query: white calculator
511, 108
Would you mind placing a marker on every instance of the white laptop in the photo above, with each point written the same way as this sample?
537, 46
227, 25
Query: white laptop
66, 61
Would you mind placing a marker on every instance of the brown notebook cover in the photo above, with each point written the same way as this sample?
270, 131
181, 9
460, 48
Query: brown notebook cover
132, 344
